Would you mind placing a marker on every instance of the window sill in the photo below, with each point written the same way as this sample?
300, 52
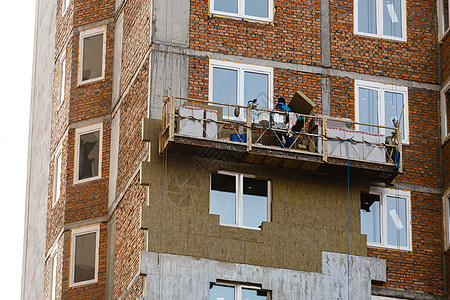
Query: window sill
80, 83
83, 283
389, 247
242, 227
241, 18
87, 180
381, 37
444, 36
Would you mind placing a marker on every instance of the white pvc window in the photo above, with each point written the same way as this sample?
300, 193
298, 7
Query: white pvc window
57, 178
236, 84
88, 153
240, 200
444, 17
386, 218
92, 55
445, 110
446, 200
62, 78
381, 18
53, 268
228, 291
259, 10
84, 255
65, 4
378, 104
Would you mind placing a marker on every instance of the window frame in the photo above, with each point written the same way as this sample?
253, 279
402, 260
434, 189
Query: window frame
444, 117
446, 205
85, 34
65, 5
57, 173
442, 32
239, 209
241, 69
77, 232
78, 133
241, 12
238, 288
383, 193
379, 18
382, 88
53, 273
62, 78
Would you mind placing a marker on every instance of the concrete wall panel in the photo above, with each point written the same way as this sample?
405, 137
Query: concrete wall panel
183, 277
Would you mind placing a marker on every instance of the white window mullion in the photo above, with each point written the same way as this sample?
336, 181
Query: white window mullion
238, 292
241, 7
379, 12
381, 111
383, 219
239, 196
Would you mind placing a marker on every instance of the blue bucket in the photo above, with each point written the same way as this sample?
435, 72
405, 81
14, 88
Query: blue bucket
235, 137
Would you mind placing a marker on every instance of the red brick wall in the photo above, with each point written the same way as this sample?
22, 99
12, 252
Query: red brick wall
420, 270
56, 214
132, 150
89, 11
133, 109
293, 37
129, 239
421, 156
342, 97
64, 23
414, 59
136, 38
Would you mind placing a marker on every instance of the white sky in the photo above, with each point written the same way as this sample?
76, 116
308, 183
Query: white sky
16, 52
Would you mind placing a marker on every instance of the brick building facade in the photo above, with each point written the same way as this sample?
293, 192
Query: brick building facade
129, 213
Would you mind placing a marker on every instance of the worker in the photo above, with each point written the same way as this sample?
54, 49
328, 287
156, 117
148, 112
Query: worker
283, 139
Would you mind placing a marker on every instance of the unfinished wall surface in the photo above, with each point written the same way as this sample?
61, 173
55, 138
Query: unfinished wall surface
182, 277
38, 152
307, 217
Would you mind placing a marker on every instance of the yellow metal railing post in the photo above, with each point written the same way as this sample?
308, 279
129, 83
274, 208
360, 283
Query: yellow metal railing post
324, 140
171, 117
249, 128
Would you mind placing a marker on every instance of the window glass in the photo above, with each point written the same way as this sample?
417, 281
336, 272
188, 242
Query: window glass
257, 8
367, 18
252, 294
62, 79
57, 178
396, 221
230, 6
393, 105
392, 16
221, 292
368, 109
370, 217
445, 16
223, 198
85, 252
225, 88
53, 278
447, 112
88, 155
92, 57
254, 202
256, 86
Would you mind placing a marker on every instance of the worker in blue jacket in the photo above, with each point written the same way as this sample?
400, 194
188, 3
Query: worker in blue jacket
283, 139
